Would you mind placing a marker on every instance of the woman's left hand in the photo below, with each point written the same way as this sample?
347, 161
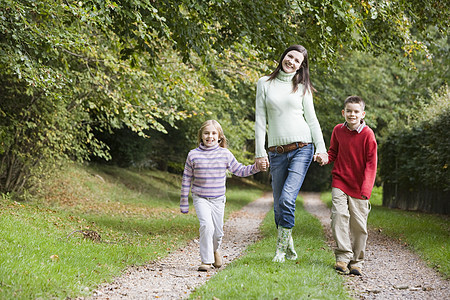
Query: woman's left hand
321, 158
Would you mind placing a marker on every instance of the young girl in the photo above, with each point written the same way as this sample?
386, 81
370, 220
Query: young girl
205, 175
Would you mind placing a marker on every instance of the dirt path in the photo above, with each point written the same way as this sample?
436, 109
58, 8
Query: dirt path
176, 276
391, 271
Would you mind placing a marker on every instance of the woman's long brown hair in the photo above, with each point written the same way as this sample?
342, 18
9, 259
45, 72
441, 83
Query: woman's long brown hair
302, 74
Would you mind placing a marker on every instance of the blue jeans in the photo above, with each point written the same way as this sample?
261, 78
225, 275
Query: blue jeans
288, 171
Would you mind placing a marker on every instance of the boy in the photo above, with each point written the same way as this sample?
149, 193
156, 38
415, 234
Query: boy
353, 149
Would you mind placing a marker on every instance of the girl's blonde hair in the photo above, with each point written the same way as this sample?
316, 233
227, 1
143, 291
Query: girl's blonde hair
222, 139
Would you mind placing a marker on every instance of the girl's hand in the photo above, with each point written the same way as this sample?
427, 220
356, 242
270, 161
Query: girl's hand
262, 163
262, 166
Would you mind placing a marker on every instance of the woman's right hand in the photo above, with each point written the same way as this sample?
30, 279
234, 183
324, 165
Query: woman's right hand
262, 163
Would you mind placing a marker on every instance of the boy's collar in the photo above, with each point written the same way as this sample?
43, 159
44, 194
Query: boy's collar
360, 127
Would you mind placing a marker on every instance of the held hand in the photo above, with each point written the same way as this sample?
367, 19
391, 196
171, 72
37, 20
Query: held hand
262, 163
321, 158
318, 158
263, 166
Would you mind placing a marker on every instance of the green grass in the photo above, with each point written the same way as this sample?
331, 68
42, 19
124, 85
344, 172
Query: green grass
426, 234
255, 276
136, 214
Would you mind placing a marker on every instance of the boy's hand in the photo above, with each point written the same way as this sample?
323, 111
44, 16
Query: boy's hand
318, 159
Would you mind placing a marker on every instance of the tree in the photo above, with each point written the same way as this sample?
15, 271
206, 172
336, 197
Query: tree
69, 67
62, 76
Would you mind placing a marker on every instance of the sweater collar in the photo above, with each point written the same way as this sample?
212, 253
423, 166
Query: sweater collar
360, 127
283, 76
204, 148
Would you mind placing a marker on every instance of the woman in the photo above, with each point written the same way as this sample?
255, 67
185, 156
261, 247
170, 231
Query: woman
284, 102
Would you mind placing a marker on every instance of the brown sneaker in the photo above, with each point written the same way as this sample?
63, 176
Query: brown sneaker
341, 268
355, 270
217, 259
205, 267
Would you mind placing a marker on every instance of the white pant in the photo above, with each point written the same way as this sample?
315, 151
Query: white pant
210, 213
349, 227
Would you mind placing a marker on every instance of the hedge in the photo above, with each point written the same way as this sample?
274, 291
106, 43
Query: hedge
414, 160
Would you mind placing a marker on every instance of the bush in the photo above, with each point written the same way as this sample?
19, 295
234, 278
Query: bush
414, 159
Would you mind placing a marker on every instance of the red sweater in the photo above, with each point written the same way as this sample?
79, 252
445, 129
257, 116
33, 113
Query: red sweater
355, 160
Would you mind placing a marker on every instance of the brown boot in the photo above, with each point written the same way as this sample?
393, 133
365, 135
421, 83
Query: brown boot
355, 270
217, 259
205, 267
341, 268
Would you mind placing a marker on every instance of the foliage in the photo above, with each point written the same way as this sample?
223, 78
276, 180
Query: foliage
378, 80
44, 257
389, 90
63, 76
228, 97
414, 158
323, 26
415, 154
70, 69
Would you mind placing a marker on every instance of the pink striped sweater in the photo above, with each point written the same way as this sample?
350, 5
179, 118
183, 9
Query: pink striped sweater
205, 173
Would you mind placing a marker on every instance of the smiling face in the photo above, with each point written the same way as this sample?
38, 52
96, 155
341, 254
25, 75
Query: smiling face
353, 114
210, 136
292, 61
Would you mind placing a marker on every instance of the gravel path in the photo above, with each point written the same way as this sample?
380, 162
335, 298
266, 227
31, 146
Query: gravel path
390, 271
176, 276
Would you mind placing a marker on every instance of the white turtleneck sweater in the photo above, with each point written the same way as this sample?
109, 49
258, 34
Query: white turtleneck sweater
290, 116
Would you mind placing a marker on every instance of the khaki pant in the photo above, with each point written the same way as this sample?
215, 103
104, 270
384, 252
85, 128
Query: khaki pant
349, 227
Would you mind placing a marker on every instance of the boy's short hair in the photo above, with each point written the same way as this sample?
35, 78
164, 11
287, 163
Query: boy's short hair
355, 99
